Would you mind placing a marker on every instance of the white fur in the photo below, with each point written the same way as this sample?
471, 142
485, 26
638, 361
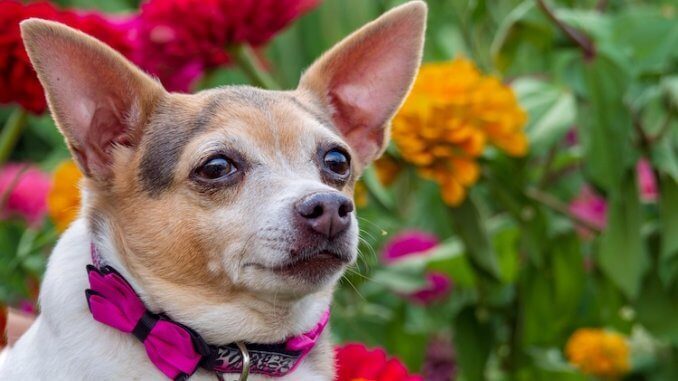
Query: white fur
66, 343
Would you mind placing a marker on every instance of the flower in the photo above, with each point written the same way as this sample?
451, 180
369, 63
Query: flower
178, 49
591, 208
406, 243
3, 325
357, 363
452, 112
647, 183
360, 194
23, 191
438, 286
387, 169
18, 81
598, 352
63, 200
118, 32
414, 242
440, 360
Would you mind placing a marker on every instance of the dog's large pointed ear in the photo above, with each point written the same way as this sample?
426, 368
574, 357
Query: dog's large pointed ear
363, 80
97, 97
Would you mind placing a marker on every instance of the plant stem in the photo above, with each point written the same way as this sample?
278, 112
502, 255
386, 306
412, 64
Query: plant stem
244, 56
560, 207
12, 184
548, 164
11, 132
574, 35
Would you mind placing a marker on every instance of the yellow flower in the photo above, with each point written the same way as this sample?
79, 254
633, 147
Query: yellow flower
360, 194
63, 200
598, 352
452, 113
387, 168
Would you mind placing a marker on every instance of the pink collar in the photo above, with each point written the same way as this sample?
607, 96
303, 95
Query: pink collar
177, 350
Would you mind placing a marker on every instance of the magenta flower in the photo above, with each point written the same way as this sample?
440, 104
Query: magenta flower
415, 242
571, 138
647, 183
404, 244
438, 286
23, 191
440, 360
589, 207
180, 39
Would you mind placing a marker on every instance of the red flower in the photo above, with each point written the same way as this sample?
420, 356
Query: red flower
357, 363
116, 32
179, 39
18, 81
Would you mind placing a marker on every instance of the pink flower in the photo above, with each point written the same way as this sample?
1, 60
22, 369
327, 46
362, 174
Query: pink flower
647, 183
24, 192
571, 138
440, 360
404, 244
438, 286
591, 208
415, 242
180, 39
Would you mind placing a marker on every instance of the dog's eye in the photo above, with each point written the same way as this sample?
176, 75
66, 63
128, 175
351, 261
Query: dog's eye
337, 162
216, 168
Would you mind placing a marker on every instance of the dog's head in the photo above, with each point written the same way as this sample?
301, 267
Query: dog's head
232, 191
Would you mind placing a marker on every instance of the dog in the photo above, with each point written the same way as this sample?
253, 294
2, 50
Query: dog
213, 226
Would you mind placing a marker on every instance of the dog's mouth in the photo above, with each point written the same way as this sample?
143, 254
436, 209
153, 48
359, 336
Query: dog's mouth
312, 267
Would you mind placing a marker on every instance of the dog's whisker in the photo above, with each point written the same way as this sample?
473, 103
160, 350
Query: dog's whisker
382, 231
345, 278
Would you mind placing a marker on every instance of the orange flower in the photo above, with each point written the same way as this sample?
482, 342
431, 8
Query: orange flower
452, 113
598, 352
360, 194
63, 200
387, 168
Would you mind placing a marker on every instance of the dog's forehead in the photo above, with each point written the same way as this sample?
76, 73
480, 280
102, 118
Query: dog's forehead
179, 119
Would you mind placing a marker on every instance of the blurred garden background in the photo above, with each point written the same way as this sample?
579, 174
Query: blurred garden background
523, 223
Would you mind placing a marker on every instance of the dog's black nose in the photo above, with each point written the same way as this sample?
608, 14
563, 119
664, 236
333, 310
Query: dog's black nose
326, 213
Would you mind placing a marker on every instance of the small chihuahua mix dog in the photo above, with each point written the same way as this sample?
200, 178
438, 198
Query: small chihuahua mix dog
214, 226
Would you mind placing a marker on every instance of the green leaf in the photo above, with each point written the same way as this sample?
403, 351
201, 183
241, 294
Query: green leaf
470, 226
448, 257
552, 112
623, 256
606, 135
647, 37
665, 155
506, 246
473, 342
657, 310
668, 218
399, 281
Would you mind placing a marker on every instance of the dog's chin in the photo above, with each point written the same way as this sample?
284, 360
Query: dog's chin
299, 275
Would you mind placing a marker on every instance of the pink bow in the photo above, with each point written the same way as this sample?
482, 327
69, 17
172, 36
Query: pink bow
113, 302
